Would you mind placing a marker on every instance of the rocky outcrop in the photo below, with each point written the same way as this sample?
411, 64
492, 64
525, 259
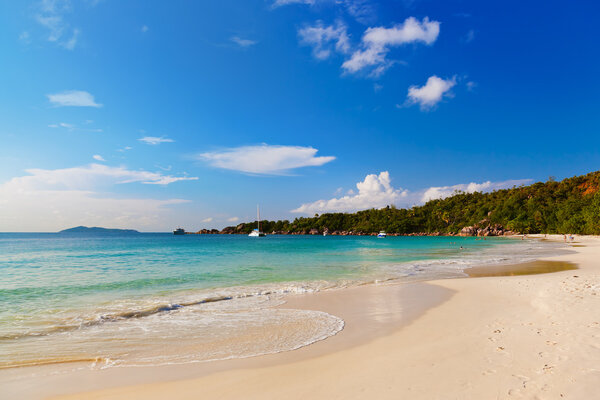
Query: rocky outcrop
481, 230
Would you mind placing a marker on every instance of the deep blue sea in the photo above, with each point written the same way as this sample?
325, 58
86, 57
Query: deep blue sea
121, 300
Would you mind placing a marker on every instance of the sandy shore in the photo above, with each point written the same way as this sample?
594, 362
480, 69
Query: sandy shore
522, 336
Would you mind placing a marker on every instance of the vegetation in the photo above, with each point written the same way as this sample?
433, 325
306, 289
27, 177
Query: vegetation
568, 206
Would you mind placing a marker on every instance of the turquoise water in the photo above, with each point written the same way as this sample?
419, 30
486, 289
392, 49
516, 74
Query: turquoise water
74, 297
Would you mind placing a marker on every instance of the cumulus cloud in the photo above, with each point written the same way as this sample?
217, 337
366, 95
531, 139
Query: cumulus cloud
73, 98
265, 159
49, 200
242, 42
324, 39
375, 191
441, 192
98, 157
430, 94
153, 140
376, 43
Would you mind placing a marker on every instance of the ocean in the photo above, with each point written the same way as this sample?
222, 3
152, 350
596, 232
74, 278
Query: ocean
154, 299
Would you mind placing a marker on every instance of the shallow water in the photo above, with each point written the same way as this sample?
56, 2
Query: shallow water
159, 298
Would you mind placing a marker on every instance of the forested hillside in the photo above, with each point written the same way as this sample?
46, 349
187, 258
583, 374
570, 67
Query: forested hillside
569, 206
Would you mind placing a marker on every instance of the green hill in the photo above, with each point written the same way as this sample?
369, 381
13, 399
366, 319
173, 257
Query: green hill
569, 206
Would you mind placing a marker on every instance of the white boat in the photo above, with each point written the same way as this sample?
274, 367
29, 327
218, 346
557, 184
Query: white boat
381, 234
256, 232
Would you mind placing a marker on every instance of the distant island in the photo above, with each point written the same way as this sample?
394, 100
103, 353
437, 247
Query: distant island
99, 231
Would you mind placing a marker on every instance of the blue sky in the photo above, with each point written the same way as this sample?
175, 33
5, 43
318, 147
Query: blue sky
154, 114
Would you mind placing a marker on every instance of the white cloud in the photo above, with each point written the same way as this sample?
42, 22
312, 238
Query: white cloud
361, 10
441, 192
62, 125
75, 98
98, 157
49, 200
324, 39
428, 95
25, 37
376, 43
70, 44
279, 3
153, 140
375, 191
233, 219
471, 85
206, 220
265, 159
93, 175
50, 14
469, 37
242, 42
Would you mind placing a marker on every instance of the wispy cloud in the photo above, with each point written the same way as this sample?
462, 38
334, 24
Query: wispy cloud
73, 127
98, 157
50, 14
364, 11
324, 39
154, 140
469, 37
62, 125
430, 94
233, 219
376, 43
45, 200
92, 175
206, 220
279, 3
376, 191
25, 37
242, 42
265, 159
73, 98
144, 28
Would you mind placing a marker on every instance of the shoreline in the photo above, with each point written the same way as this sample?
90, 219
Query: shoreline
386, 325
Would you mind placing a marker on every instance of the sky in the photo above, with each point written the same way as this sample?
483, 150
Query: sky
156, 114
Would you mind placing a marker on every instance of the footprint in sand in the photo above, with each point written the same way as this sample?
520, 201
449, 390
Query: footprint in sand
548, 369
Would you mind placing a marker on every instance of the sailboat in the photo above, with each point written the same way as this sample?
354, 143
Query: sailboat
256, 232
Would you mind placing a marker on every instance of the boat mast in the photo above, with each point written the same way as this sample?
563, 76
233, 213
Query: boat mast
258, 217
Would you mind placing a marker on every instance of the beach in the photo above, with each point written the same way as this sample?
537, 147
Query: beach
521, 336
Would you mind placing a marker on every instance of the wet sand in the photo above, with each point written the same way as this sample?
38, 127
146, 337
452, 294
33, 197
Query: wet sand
530, 268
